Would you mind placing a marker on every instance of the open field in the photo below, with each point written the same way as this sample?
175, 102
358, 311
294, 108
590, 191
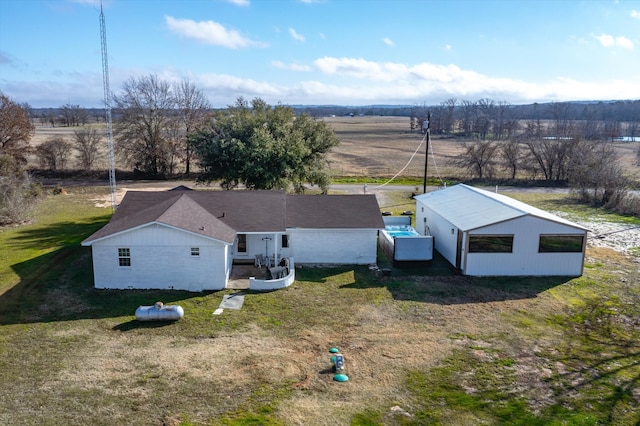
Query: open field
374, 146
419, 349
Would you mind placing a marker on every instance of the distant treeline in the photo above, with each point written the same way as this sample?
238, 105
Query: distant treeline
627, 111
621, 111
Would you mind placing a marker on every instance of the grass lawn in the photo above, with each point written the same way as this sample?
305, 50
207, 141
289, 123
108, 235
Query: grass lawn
419, 349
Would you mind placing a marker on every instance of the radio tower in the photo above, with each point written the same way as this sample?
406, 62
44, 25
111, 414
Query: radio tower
107, 108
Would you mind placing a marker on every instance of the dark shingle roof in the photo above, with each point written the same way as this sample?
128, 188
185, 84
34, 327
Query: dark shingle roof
221, 214
333, 211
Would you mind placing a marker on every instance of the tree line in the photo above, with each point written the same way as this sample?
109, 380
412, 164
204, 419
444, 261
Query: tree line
489, 119
558, 148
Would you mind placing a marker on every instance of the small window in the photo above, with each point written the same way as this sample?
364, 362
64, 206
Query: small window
195, 251
242, 243
285, 241
124, 257
560, 244
491, 244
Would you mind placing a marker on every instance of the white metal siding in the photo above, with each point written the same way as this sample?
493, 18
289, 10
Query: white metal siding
445, 241
160, 259
339, 246
525, 259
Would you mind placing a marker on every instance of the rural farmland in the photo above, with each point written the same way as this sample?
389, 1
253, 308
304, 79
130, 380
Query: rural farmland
420, 348
378, 146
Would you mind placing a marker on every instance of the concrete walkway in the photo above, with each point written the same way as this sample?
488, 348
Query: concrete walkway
230, 301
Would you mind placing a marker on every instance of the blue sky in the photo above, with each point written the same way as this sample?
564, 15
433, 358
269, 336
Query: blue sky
344, 52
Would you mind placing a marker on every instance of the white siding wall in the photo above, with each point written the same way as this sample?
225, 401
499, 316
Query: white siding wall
339, 246
525, 259
445, 242
160, 259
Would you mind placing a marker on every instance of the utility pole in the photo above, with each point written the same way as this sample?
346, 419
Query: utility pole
426, 157
107, 108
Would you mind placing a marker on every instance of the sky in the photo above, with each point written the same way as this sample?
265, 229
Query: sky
325, 52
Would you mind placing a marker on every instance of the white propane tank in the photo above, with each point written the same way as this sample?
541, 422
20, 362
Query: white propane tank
159, 312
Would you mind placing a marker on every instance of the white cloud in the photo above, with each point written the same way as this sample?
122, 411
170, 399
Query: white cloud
395, 82
607, 40
239, 2
624, 42
448, 47
210, 32
331, 80
388, 41
401, 84
291, 67
295, 35
635, 14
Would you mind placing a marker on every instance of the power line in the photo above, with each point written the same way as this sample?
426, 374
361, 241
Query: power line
405, 166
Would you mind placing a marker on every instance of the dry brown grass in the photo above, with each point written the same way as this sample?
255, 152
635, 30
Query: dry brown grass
382, 146
377, 146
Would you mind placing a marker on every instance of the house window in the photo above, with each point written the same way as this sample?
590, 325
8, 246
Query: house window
284, 241
491, 244
242, 243
560, 244
195, 251
124, 256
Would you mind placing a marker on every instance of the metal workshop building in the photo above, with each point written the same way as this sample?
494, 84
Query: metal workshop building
482, 233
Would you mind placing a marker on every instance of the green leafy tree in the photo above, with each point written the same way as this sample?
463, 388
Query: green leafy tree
264, 147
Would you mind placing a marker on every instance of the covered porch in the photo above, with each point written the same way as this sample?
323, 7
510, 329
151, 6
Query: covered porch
254, 277
260, 248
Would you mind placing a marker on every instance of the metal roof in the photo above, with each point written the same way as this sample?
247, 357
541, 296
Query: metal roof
470, 208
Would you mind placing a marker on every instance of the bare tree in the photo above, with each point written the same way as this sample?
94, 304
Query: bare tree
612, 129
533, 130
18, 194
15, 129
502, 125
562, 124
633, 129
87, 143
484, 116
591, 127
449, 119
511, 127
595, 169
193, 109
469, 110
552, 156
146, 112
54, 153
479, 158
511, 154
